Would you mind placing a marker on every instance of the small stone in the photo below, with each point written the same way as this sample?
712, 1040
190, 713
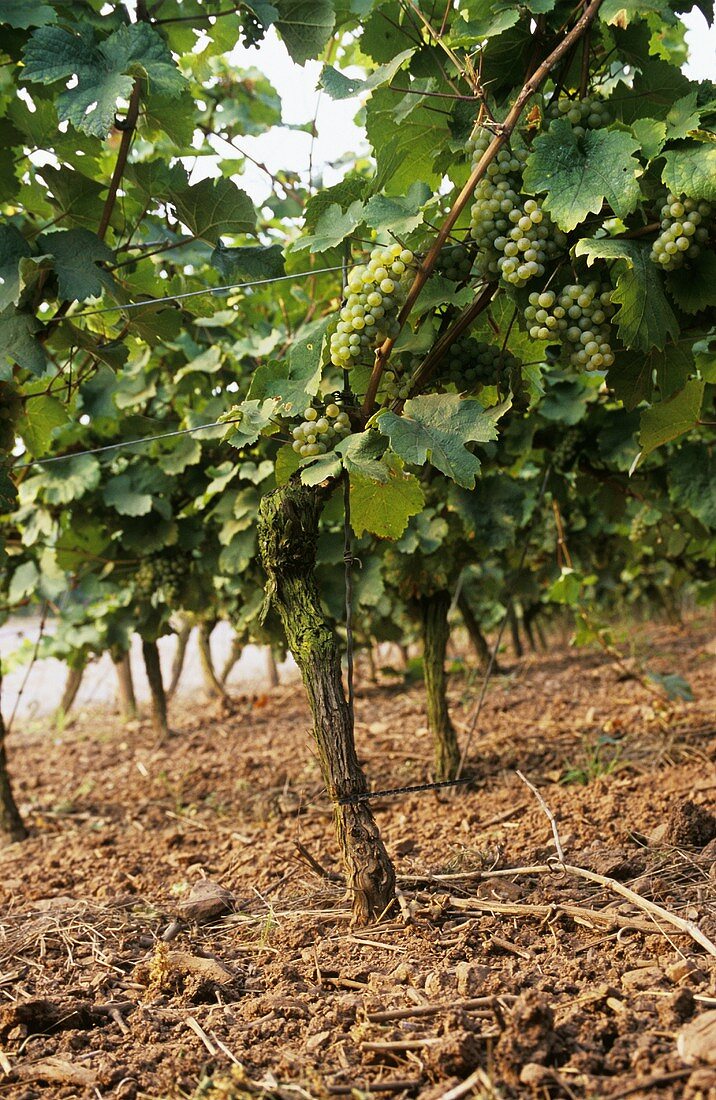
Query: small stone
471, 978
536, 1076
646, 977
686, 970
314, 1042
207, 901
697, 1041
438, 983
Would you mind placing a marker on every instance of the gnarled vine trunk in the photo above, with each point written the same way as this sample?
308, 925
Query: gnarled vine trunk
183, 635
287, 531
434, 620
477, 638
125, 686
11, 824
271, 668
515, 631
69, 694
150, 651
212, 684
234, 656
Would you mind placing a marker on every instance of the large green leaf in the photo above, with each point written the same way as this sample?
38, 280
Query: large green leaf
436, 427
622, 12
75, 255
22, 14
305, 26
636, 374
339, 86
104, 72
41, 416
122, 494
398, 214
645, 319
252, 418
383, 507
18, 342
332, 227
404, 151
213, 207
578, 175
691, 171
13, 247
693, 288
692, 481
249, 262
70, 479
671, 418
294, 380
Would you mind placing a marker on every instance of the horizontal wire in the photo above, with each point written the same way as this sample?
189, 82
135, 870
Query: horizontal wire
196, 293
124, 443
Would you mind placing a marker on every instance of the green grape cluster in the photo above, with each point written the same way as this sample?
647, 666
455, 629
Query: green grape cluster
514, 235
590, 113
396, 380
470, 363
161, 575
578, 315
566, 450
373, 297
682, 232
318, 433
455, 263
638, 528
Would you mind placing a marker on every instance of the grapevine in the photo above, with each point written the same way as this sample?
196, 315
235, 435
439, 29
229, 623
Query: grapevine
318, 433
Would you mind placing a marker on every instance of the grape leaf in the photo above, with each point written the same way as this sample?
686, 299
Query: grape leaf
293, 381
651, 135
492, 512
41, 415
104, 72
321, 468
579, 174
339, 86
645, 319
18, 343
77, 197
305, 26
251, 262
121, 493
683, 117
70, 479
24, 581
332, 227
362, 453
75, 254
693, 288
656, 88
213, 207
186, 451
436, 427
692, 481
13, 247
484, 20
253, 417
384, 507
406, 152
635, 374
398, 213
621, 13
671, 418
22, 14
691, 171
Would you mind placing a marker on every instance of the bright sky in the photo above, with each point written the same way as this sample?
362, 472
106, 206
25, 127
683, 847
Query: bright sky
337, 134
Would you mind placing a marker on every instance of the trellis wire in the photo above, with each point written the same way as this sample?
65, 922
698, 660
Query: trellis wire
123, 443
197, 293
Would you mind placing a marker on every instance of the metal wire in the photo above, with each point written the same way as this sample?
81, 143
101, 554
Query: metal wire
123, 443
197, 293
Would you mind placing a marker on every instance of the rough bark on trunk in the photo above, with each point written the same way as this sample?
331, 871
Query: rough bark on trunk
477, 638
183, 635
515, 631
237, 648
11, 824
150, 651
212, 684
72, 686
125, 687
287, 531
434, 617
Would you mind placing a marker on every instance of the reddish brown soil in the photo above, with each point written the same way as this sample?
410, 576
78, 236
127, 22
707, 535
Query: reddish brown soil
93, 1003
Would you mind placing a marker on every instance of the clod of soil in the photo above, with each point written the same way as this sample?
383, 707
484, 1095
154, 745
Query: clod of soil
690, 826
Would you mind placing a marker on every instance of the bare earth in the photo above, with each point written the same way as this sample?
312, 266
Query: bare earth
496, 979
